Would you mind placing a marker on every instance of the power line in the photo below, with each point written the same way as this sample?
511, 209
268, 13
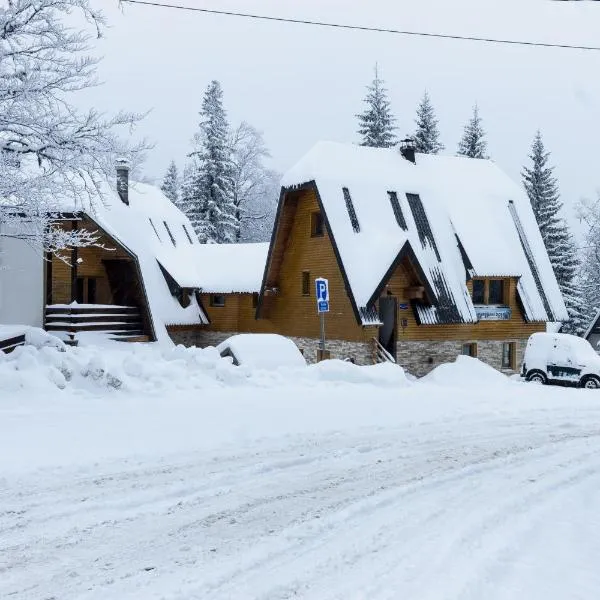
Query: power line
445, 36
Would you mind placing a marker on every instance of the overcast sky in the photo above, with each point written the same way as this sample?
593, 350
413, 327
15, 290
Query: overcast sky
301, 84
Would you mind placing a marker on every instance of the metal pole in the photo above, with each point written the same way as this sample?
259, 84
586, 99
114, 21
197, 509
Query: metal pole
322, 332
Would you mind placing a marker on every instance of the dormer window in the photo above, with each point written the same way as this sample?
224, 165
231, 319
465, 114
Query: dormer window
316, 225
170, 234
155, 231
489, 292
496, 291
478, 291
187, 233
351, 212
397, 210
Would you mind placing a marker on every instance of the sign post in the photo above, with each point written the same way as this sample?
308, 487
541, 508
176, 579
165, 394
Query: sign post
322, 295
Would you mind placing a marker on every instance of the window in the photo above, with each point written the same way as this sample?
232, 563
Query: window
305, 283
478, 291
397, 210
254, 299
316, 225
187, 233
422, 223
496, 291
351, 211
170, 234
217, 300
155, 231
469, 349
488, 291
509, 351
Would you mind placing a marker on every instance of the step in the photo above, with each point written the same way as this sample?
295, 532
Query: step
91, 318
86, 309
94, 326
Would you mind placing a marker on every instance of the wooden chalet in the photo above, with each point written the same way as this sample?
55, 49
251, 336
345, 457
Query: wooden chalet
138, 280
427, 257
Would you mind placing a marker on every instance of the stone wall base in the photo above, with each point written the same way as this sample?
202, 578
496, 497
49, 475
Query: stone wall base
361, 353
201, 338
419, 358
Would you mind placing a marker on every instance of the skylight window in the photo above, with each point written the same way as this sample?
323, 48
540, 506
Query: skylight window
155, 231
351, 211
397, 210
187, 233
422, 222
170, 234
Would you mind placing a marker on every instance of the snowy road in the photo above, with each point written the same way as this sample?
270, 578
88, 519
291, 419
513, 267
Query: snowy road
468, 501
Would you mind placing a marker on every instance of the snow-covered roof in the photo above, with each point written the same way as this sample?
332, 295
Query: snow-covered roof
443, 203
231, 268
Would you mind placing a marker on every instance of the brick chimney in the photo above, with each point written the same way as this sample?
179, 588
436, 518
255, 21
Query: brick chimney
407, 149
122, 165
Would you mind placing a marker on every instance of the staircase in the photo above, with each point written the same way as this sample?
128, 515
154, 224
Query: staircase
118, 323
380, 354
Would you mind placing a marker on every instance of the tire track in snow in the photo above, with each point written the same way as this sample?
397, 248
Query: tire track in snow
337, 488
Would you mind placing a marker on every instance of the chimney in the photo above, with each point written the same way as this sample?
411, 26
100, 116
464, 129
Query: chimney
407, 149
122, 165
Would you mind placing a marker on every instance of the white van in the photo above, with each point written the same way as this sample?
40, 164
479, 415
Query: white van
561, 358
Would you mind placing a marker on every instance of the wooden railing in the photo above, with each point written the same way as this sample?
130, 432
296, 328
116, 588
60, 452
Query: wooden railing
121, 323
380, 354
8, 344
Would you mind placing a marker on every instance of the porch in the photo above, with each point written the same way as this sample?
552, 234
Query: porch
72, 322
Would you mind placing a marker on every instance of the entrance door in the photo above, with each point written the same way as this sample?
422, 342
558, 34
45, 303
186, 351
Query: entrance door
123, 281
388, 311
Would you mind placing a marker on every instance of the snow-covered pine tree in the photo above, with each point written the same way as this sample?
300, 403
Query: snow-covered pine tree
427, 135
589, 214
212, 210
171, 184
376, 123
542, 189
473, 143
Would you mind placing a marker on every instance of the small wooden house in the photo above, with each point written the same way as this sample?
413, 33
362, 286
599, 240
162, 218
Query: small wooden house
427, 257
230, 277
138, 280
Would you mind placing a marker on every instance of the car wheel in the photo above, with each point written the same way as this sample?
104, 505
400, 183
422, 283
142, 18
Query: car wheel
537, 377
590, 382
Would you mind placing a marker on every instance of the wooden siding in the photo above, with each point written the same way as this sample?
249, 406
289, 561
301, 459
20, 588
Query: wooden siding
91, 265
289, 312
515, 328
236, 316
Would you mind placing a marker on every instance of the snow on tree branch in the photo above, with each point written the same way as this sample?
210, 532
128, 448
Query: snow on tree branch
50, 151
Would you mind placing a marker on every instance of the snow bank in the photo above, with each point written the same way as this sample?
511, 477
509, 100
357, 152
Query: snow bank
160, 370
343, 372
466, 370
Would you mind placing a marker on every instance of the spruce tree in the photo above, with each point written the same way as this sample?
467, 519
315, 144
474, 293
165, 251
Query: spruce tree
211, 207
427, 136
473, 143
376, 123
170, 185
542, 189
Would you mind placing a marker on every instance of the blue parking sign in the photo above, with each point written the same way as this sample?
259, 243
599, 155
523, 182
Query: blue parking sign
322, 294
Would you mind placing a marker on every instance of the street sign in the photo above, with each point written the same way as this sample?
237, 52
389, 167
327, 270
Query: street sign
322, 294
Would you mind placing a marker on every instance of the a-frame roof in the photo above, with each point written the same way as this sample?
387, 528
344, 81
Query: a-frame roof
451, 214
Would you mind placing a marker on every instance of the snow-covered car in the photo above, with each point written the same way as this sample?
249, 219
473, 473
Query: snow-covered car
261, 351
560, 358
